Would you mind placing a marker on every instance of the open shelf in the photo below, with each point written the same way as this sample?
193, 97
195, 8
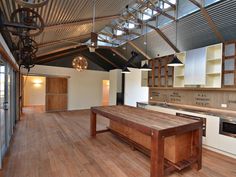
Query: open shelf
214, 59
213, 73
214, 66
179, 71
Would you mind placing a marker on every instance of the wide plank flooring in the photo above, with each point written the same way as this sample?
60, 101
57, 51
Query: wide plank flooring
59, 145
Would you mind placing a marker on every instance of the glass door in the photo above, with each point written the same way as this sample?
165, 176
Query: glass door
3, 143
7, 106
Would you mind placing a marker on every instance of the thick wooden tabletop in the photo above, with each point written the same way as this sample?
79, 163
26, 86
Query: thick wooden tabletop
151, 120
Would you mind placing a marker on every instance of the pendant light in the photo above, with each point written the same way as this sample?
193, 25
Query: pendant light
175, 61
146, 67
80, 63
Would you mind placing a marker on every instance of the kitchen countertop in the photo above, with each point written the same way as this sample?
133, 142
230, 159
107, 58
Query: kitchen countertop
227, 114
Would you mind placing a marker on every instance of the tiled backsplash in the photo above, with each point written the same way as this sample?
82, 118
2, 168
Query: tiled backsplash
203, 98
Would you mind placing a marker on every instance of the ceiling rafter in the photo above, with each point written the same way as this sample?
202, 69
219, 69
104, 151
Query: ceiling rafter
94, 61
169, 3
141, 11
58, 50
107, 60
139, 50
119, 54
165, 38
51, 57
106, 41
114, 50
159, 10
84, 36
152, 6
209, 20
127, 31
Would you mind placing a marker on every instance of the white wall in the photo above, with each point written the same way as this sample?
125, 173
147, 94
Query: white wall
133, 90
34, 90
84, 88
115, 77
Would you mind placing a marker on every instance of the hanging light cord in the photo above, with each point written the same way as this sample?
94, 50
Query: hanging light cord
94, 14
146, 38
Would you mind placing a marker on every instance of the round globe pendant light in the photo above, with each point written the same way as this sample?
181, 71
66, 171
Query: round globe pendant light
80, 63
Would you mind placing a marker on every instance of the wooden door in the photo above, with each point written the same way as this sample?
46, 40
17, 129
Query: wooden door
56, 94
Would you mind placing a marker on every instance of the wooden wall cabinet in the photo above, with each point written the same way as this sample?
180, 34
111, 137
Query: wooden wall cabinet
229, 65
161, 75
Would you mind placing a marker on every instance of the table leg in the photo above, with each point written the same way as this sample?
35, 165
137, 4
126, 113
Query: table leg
157, 155
93, 124
197, 136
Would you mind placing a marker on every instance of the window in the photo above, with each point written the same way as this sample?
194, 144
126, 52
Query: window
119, 32
129, 25
147, 14
165, 5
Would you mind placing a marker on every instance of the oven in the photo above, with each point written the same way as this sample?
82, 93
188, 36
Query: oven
228, 127
203, 120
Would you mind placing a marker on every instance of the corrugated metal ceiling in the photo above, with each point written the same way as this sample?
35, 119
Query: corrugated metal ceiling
58, 12
193, 30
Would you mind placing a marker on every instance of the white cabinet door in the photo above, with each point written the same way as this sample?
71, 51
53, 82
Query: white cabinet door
195, 67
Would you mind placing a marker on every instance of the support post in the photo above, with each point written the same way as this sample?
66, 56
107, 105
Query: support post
157, 155
93, 124
197, 144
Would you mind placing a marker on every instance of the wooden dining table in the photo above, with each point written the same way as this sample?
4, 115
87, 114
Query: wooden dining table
158, 126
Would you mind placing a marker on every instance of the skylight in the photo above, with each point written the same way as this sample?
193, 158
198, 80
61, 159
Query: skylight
166, 6
130, 25
146, 12
118, 32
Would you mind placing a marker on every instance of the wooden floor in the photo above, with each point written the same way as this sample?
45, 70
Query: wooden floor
59, 145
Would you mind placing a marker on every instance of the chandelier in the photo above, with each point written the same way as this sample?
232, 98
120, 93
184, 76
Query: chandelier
80, 63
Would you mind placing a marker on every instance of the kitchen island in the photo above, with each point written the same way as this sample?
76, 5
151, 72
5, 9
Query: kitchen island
173, 142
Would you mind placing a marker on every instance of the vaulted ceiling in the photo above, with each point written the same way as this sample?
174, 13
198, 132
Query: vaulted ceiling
172, 27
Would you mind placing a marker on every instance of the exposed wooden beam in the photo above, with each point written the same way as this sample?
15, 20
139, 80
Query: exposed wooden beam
94, 60
164, 37
119, 54
114, 50
139, 50
81, 22
209, 20
140, 11
107, 60
196, 3
159, 10
84, 36
51, 57
169, 3
108, 34
107, 41
127, 31
58, 50
64, 49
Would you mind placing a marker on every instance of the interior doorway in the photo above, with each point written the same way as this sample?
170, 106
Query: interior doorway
105, 92
34, 94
